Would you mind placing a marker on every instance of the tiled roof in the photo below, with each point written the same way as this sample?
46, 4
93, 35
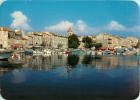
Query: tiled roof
5, 29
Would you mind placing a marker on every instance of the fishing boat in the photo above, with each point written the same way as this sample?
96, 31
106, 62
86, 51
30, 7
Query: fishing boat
88, 52
28, 51
104, 53
76, 52
137, 54
68, 52
99, 53
5, 54
93, 53
47, 51
38, 52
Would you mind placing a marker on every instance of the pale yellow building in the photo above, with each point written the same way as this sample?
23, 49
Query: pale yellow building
4, 37
110, 41
47, 38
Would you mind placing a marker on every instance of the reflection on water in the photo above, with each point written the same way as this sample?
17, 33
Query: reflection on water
50, 62
75, 76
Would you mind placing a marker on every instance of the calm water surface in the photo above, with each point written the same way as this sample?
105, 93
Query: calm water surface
69, 77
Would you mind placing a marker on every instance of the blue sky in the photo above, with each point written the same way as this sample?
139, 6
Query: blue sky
85, 17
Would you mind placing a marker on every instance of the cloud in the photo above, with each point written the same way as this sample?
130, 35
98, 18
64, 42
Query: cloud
1, 1
134, 29
81, 28
114, 26
20, 21
62, 26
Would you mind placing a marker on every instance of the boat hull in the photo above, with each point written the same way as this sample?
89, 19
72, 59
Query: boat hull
76, 52
5, 55
28, 52
137, 54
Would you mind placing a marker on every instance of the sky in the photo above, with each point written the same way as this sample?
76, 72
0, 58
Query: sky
119, 18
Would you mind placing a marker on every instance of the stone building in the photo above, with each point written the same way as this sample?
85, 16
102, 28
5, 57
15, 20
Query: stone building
47, 38
4, 37
30, 38
110, 41
133, 40
105, 39
59, 39
16, 38
93, 38
37, 38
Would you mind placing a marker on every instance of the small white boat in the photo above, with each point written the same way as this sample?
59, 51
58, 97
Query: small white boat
93, 53
47, 51
99, 53
38, 52
5, 54
104, 53
137, 54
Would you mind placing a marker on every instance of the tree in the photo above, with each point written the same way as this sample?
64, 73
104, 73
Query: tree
138, 45
88, 41
73, 41
97, 45
86, 45
43, 44
60, 45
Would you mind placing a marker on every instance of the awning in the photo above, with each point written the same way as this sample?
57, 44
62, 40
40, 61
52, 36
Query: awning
101, 48
17, 45
112, 49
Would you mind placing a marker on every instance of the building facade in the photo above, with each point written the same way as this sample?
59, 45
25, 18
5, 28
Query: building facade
47, 38
58, 39
4, 37
110, 41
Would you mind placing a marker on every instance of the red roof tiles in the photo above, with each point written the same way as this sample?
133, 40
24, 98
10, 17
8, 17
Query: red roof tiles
5, 29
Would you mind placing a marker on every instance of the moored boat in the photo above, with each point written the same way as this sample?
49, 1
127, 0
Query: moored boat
47, 51
5, 54
137, 54
76, 52
104, 53
68, 52
28, 51
99, 53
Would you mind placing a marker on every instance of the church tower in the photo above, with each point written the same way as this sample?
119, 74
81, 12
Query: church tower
70, 32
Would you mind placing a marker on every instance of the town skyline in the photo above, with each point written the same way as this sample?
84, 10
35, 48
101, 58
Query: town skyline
119, 18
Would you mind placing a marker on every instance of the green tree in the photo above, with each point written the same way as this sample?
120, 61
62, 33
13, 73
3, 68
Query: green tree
73, 41
43, 44
97, 45
60, 45
88, 41
86, 45
138, 45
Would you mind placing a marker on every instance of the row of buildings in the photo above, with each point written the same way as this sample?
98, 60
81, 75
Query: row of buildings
13, 38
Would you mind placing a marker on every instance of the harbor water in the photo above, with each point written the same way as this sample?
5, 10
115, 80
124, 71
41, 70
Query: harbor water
70, 77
